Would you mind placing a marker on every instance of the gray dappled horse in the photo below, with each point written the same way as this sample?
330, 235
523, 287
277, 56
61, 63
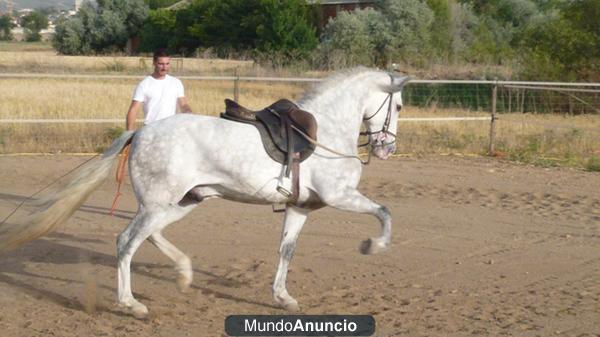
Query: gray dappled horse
177, 162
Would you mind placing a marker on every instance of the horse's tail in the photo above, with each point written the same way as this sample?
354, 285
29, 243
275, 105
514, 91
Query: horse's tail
59, 206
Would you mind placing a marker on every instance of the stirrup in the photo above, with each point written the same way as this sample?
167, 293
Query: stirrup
284, 187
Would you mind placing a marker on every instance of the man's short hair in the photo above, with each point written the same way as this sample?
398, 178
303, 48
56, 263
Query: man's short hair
160, 52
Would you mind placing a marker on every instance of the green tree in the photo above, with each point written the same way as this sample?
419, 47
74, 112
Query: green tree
411, 23
33, 24
565, 46
380, 35
158, 30
6, 25
441, 33
284, 28
102, 27
225, 26
464, 25
230, 25
345, 42
132, 13
70, 38
268, 27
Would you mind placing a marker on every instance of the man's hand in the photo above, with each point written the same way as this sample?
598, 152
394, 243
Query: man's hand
183, 105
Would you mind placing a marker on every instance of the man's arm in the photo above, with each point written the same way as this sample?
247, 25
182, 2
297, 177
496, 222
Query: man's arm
132, 113
183, 105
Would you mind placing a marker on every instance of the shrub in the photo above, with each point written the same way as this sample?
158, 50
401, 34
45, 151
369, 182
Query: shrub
102, 27
346, 42
411, 24
158, 30
33, 24
284, 27
593, 164
6, 25
565, 45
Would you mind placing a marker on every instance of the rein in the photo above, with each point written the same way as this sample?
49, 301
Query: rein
384, 129
342, 155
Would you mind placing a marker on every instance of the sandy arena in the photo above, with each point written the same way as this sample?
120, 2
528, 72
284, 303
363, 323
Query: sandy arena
480, 248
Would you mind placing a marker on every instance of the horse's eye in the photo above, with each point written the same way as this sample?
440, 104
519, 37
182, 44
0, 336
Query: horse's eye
398, 107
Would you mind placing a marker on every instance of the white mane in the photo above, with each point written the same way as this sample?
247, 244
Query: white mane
334, 82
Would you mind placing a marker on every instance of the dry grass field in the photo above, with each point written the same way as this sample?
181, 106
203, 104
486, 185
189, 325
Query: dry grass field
48, 62
541, 139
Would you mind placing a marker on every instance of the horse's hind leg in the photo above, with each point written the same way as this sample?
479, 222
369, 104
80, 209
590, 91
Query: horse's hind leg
183, 264
145, 223
293, 222
353, 201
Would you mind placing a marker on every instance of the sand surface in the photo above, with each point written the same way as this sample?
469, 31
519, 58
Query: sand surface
480, 248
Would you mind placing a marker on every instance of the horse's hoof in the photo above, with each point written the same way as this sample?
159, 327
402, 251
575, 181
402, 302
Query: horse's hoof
183, 284
139, 311
292, 306
372, 246
288, 303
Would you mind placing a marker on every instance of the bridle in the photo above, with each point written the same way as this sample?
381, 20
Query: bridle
384, 129
386, 125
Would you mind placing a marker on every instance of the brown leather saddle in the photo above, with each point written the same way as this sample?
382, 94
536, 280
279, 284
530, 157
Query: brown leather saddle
274, 123
278, 126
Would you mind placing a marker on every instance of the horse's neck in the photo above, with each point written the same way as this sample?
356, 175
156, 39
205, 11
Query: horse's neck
335, 126
339, 117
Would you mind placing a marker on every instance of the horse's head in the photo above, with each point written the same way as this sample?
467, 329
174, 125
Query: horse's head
380, 116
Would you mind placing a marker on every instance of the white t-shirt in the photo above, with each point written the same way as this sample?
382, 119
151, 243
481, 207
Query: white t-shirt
159, 97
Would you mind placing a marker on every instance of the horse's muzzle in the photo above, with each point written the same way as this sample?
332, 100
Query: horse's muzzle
383, 145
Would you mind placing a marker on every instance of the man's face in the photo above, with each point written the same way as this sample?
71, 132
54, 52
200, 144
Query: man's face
161, 66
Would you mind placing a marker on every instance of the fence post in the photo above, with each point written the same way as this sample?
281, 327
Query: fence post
236, 85
491, 150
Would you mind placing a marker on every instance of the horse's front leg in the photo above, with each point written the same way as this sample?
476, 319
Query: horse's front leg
353, 201
293, 222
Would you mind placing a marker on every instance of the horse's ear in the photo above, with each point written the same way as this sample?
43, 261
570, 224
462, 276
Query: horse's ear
398, 82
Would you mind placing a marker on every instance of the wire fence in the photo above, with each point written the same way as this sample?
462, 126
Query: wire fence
469, 95
495, 117
512, 97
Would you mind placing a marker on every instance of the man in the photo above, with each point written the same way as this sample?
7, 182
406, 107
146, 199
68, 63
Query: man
159, 93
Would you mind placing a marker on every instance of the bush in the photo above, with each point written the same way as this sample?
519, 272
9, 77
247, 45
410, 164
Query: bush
346, 42
593, 164
100, 28
158, 30
564, 46
411, 24
33, 24
6, 25
284, 28
463, 26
